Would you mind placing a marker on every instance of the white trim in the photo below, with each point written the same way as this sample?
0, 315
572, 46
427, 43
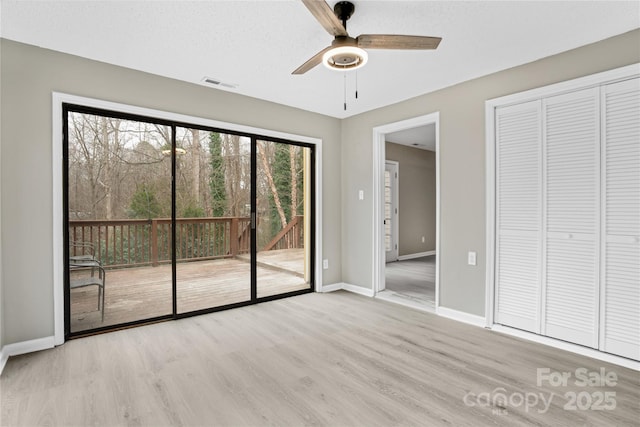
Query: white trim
331, 288
58, 215
573, 348
606, 77
379, 159
490, 214
436, 116
416, 255
347, 287
593, 80
378, 255
358, 289
318, 212
461, 316
4, 357
23, 347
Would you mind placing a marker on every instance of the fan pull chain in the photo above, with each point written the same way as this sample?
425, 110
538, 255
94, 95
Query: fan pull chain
356, 84
345, 91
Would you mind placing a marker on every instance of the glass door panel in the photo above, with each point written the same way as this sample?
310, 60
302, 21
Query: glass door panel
119, 227
283, 228
213, 227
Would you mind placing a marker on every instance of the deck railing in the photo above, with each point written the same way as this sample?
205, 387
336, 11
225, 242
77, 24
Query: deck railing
289, 237
137, 242
140, 242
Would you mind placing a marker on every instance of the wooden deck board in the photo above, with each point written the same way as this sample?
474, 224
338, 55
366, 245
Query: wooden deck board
145, 292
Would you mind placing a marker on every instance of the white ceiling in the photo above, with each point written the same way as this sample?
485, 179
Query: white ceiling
257, 44
422, 137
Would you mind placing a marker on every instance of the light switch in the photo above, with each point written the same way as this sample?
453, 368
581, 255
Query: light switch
471, 258
361, 195
325, 264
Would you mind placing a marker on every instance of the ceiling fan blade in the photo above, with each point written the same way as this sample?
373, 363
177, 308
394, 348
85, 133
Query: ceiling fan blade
315, 60
326, 17
392, 41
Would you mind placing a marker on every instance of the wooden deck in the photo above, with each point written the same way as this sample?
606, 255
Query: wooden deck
145, 292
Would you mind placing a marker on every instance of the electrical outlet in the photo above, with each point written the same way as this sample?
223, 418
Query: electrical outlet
471, 259
325, 264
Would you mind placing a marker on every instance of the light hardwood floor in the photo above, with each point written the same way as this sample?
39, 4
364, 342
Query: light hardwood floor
336, 359
411, 282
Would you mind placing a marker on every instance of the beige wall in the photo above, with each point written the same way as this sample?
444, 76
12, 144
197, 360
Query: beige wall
417, 198
29, 75
462, 165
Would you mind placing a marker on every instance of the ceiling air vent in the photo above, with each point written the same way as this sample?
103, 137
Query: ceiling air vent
217, 82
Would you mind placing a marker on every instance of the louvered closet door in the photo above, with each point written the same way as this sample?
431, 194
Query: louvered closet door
571, 243
621, 226
518, 215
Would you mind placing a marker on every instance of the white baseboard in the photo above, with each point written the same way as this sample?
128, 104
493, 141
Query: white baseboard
23, 347
3, 359
461, 316
563, 345
418, 255
331, 288
347, 287
357, 289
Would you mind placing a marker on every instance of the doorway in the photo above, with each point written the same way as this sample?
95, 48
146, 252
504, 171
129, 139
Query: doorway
413, 279
165, 219
391, 211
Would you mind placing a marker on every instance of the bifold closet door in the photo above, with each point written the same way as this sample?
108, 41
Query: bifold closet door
620, 333
571, 144
518, 216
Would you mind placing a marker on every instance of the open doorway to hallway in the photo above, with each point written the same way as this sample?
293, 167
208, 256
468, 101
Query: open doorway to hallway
408, 202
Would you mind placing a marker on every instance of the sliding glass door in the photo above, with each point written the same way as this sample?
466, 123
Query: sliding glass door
283, 186
165, 220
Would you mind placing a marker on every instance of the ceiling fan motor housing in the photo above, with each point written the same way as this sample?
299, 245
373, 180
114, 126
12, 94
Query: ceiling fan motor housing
344, 10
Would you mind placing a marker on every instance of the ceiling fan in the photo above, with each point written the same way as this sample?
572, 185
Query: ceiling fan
347, 53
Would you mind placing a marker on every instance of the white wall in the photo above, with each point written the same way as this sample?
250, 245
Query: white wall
29, 76
462, 165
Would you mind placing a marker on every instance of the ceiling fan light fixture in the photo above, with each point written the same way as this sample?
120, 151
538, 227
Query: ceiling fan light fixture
344, 58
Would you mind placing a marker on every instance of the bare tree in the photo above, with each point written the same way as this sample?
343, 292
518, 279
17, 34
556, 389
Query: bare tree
266, 166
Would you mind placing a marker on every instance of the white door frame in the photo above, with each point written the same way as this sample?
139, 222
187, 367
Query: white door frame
379, 158
395, 229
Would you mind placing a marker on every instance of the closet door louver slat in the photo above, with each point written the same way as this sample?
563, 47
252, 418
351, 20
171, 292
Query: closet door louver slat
620, 333
572, 198
518, 138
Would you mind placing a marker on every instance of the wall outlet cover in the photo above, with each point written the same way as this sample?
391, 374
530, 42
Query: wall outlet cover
471, 258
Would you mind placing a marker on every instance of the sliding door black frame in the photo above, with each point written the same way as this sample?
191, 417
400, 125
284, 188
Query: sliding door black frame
74, 108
